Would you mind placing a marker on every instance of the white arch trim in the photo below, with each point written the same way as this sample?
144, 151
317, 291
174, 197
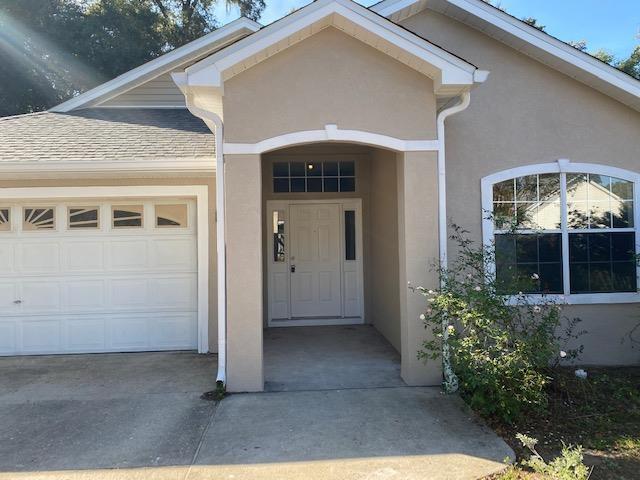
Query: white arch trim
331, 133
564, 165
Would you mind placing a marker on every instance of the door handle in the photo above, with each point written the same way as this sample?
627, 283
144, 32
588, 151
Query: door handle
17, 302
293, 269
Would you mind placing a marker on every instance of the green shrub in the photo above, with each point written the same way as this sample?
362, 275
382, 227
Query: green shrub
568, 466
496, 349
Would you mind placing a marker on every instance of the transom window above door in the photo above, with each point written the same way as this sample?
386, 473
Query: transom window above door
571, 233
321, 176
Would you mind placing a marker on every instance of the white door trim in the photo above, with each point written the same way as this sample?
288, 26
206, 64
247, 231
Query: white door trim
199, 192
345, 203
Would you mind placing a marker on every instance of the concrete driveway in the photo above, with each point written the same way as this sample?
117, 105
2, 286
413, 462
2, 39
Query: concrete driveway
140, 416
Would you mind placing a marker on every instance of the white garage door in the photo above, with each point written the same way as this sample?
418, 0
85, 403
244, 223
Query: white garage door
98, 276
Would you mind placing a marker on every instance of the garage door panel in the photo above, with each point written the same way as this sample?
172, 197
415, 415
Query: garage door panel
128, 254
85, 294
42, 335
173, 254
40, 257
86, 334
8, 337
40, 296
173, 292
84, 256
7, 255
100, 289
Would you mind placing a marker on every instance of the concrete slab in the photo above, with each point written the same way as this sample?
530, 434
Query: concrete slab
389, 432
329, 357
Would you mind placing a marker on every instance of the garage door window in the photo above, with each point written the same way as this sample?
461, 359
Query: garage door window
5, 219
127, 216
40, 218
83, 217
171, 216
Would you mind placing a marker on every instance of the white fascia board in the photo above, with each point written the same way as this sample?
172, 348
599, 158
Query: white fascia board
158, 66
532, 36
458, 71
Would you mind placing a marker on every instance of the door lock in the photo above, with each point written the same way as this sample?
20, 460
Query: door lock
293, 269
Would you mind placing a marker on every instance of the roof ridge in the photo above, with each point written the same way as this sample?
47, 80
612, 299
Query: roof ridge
19, 115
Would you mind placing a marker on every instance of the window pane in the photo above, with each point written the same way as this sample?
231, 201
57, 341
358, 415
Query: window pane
298, 185
38, 219
504, 215
347, 169
280, 185
549, 215
602, 262
330, 169
504, 191
314, 184
347, 184
599, 201
623, 215
529, 262
330, 184
281, 169
278, 237
83, 217
127, 216
5, 219
171, 215
314, 169
350, 234
527, 188
549, 185
297, 169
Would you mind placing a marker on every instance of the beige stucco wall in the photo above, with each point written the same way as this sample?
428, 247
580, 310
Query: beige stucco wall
209, 181
329, 78
528, 113
384, 248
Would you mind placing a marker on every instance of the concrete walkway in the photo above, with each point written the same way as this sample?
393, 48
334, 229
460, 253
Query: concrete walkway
140, 416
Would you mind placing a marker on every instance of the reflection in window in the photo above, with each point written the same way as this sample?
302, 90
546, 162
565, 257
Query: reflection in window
5, 219
598, 231
327, 176
127, 216
350, 234
599, 201
38, 219
171, 215
83, 217
278, 237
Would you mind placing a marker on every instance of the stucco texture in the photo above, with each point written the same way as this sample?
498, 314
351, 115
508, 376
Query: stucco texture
527, 113
329, 78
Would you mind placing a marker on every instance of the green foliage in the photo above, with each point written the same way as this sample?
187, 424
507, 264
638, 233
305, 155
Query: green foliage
568, 466
500, 350
54, 49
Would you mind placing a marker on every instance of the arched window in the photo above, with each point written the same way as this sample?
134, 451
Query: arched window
571, 227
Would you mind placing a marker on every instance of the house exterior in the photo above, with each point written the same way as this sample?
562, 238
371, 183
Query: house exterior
304, 173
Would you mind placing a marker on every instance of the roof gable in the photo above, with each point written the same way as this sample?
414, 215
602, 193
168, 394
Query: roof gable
178, 58
526, 39
450, 73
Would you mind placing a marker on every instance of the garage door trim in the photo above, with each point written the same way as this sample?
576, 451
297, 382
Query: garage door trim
198, 192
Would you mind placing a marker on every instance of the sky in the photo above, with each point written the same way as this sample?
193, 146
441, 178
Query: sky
613, 25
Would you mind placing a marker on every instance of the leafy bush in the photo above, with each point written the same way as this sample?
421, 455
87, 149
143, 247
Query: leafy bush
568, 466
496, 349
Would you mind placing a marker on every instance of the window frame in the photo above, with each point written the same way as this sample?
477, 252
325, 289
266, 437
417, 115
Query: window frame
564, 167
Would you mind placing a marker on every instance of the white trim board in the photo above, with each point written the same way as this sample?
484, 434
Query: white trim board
211, 42
331, 133
527, 39
199, 192
563, 166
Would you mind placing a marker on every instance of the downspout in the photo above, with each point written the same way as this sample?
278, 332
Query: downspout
450, 383
210, 117
465, 99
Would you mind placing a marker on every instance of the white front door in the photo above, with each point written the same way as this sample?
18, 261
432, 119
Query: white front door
315, 260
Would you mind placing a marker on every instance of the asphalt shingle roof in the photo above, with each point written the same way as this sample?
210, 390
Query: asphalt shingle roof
125, 134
